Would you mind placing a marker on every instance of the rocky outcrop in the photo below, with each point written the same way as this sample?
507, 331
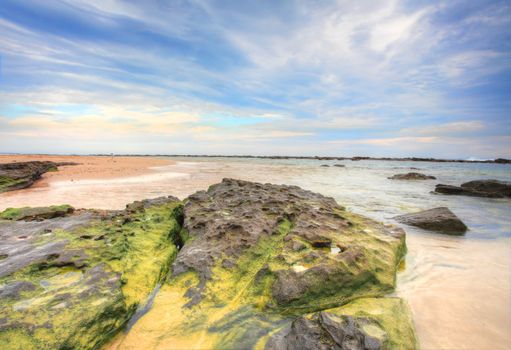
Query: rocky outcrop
438, 219
73, 281
478, 188
234, 216
240, 265
412, 176
256, 256
15, 176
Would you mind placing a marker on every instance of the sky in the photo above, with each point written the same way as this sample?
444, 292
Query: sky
334, 78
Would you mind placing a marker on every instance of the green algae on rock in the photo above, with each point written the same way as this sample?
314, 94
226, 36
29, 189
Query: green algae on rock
73, 282
258, 256
37, 213
18, 175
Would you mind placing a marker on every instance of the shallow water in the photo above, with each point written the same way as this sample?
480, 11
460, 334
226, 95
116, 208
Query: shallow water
459, 288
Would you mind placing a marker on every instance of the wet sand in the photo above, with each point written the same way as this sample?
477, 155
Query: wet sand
459, 291
459, 288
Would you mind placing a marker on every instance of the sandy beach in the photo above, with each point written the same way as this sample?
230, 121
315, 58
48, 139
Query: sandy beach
91, 167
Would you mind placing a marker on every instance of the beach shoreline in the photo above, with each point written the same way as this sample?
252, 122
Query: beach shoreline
91, 167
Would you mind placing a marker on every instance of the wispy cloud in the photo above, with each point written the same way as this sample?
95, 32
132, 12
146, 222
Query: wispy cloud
196, 75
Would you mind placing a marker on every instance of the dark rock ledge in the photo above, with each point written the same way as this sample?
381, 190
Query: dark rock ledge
18, 175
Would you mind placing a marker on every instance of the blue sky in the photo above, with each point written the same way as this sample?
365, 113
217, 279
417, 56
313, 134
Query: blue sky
376, 78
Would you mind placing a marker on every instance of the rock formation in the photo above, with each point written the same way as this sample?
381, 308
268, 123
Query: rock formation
412, 176
478, 188
256, 256
438, 219
72, 282
247, 260
15, 176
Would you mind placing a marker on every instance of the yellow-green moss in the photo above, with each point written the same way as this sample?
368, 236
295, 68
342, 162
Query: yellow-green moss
237, 308
230, 313
21, 213
7, 183
140, 248
392, 314
373, 274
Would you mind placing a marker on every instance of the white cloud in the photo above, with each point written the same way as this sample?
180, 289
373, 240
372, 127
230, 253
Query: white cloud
460, 127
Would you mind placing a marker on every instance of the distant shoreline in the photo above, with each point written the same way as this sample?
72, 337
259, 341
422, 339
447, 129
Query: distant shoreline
408, 159
356, 158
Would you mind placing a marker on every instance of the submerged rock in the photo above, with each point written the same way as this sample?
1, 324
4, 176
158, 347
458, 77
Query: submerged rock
478, 188
438, 219
256, 256
412, 176
14, 176
72, 282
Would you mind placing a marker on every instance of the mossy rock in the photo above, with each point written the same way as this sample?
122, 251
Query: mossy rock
253, 259
82, 276
18, 175
8, 183
36, 213
238, 278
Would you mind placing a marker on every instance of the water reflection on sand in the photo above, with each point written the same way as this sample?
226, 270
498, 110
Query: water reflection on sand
459, 288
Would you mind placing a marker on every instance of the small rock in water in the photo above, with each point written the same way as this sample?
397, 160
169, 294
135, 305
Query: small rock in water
412, 176
438, 219
478, 188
